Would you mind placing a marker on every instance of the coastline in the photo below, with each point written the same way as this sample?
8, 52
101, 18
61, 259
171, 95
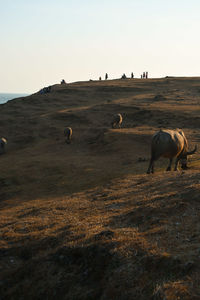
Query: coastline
5, 97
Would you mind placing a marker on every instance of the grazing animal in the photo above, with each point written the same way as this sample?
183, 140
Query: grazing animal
3, 142
117, 121
170, 144
68, 134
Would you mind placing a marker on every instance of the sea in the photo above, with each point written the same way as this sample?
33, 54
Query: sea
5, 97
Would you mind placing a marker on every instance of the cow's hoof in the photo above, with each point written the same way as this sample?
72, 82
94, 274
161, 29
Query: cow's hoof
184, 167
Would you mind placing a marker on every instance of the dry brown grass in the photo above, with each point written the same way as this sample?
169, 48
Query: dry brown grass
84, 221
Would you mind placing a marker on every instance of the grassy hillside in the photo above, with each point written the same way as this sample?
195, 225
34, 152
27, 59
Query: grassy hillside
84, 221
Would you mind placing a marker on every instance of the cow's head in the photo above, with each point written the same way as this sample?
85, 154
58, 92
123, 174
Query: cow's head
183, 159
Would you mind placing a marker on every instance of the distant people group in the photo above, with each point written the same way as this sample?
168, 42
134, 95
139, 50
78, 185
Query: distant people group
123, 76
62, 81
45, 90
144, 75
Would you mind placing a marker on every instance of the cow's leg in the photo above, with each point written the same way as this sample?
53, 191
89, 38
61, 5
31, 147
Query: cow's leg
176, 164
151, 166
170, 164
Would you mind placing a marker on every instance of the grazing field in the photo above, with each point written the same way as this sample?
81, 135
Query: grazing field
84, 220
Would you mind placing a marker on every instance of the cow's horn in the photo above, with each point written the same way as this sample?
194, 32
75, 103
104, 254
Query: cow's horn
193, 151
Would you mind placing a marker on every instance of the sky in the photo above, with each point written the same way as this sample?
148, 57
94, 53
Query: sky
45, 41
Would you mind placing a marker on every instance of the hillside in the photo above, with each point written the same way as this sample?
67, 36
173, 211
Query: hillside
85, 221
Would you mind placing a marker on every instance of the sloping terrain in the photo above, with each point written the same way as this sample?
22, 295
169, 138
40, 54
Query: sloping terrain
85, 221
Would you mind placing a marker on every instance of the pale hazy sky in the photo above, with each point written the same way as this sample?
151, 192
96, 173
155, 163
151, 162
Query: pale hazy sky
44, 41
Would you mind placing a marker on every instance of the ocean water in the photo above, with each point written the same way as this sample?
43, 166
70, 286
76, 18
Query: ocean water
4, 97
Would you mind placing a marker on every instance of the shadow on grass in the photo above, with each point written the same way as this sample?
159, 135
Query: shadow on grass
48, 269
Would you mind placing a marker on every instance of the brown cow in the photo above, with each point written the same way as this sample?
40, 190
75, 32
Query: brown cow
117, 121
169, 144
68, 134
3, 142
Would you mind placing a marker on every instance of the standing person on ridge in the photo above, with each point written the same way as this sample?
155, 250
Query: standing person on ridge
106, 76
